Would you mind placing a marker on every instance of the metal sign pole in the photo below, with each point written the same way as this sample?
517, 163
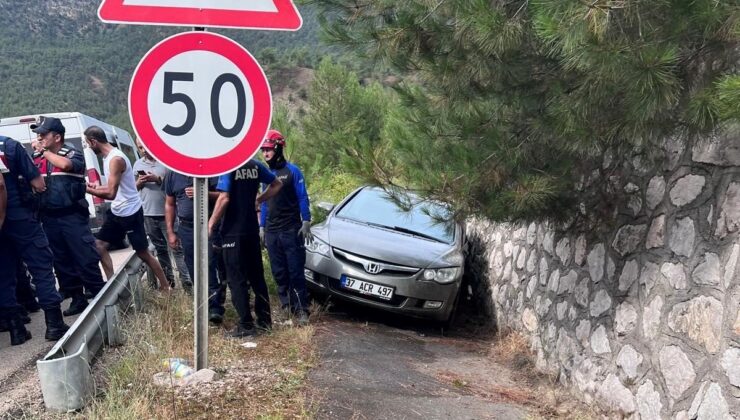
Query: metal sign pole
200, 294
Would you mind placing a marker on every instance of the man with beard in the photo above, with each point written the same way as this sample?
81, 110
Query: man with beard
125, 218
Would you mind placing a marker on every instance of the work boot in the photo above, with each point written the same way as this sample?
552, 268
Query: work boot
241, 332
55, 326
78, 304
215, 318
18, 332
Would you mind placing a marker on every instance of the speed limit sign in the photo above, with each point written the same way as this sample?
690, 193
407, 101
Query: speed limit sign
200, 103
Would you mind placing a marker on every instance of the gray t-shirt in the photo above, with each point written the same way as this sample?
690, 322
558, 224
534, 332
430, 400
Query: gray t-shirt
151, 193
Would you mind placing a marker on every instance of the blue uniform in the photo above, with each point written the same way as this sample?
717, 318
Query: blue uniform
241, 247
282, 217
22, 235
174, 185
65, 218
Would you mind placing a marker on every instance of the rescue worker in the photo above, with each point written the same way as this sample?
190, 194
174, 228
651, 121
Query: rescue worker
22, 237
125, 218
150, 176
237, 205
285, 224
64, 214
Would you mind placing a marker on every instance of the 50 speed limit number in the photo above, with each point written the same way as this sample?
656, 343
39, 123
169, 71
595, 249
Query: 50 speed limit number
200, 103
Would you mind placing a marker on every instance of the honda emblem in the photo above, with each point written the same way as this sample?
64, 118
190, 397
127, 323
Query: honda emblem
372, 268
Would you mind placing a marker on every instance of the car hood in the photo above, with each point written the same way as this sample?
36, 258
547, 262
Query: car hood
383, 244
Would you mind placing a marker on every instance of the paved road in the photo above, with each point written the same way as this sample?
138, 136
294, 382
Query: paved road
18, 369
385, 368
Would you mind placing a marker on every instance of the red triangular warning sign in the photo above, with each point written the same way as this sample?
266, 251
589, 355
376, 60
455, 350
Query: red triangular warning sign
252, 14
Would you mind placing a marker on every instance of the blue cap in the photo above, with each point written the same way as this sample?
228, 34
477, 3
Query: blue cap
47, 124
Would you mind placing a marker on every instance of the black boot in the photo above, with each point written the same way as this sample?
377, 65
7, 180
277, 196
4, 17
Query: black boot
18, 332
4, 325
78, 304
55, 326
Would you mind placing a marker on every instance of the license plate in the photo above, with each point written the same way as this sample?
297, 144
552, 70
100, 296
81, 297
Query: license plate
367, 288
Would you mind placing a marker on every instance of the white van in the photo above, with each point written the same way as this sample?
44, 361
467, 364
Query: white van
75, 123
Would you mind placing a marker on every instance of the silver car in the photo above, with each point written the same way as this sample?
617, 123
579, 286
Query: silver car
400, 258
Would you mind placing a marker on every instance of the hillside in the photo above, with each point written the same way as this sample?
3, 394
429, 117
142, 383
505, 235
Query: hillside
56, 55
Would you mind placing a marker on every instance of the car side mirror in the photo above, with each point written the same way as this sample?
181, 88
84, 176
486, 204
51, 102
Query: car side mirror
326, 206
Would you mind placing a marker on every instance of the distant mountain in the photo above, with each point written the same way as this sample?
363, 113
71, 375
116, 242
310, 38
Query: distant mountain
56, 55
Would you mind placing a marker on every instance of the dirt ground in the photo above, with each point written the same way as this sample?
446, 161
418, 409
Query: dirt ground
373, 365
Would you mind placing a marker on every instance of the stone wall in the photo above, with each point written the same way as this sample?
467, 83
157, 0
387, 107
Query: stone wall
638, 313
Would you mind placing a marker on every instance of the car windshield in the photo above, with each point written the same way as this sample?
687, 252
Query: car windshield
422, 218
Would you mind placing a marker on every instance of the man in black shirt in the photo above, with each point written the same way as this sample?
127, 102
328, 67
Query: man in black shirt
237, 205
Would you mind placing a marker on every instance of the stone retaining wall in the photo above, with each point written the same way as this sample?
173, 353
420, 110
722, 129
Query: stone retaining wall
642, 315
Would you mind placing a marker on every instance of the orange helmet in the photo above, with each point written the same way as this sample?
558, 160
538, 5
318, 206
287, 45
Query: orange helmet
273, 139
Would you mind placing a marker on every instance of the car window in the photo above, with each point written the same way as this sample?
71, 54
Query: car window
374, 206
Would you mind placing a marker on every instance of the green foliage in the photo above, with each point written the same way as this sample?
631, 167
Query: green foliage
60, 57
504, 104
344, 123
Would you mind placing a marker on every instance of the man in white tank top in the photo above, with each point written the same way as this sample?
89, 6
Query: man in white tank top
125, 217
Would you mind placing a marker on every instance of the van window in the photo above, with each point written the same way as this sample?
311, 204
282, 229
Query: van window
129, 152
74, 141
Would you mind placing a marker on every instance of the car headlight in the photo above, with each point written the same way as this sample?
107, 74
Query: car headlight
441, 275
318, 247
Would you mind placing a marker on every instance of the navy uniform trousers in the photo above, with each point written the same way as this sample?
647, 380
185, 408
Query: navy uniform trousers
25, 239
75, 256
287, 260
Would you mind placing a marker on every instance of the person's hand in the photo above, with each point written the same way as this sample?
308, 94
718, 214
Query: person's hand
189, 192
305, 231
211, 227
173, 240
37, 146
149, 177
262, 236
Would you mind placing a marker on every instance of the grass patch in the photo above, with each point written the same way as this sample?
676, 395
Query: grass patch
266, 382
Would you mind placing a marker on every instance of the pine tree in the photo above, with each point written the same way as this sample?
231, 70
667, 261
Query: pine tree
505, 103
343, 127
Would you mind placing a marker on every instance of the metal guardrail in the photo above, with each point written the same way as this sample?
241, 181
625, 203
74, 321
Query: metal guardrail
64, 372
